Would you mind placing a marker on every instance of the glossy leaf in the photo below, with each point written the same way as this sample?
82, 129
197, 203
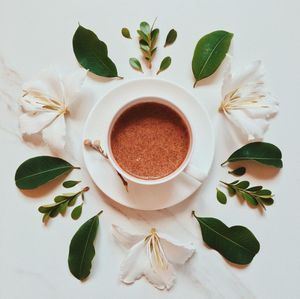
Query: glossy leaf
209, 53
255, 188
238, 171
145, 28
40, 170
126, 33
236, 243
70, 184
166, 62
243, 184
92, 53
221, 197
81, 250
154, 35
143, 36
249, 198
261, 152
76, 213
135, 64
171, 37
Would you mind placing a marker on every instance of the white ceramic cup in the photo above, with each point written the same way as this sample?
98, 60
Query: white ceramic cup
185, 166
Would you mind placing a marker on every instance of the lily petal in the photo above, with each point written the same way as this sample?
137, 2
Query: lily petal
49, 84
176, 252
126, 239
32, 123
54, 134
72, 85
137, 264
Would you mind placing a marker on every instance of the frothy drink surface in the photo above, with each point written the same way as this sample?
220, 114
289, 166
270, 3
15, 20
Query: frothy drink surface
149, 140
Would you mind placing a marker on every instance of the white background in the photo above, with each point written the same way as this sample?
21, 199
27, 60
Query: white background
33, 258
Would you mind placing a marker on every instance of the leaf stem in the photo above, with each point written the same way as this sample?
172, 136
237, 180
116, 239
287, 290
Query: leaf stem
76, 167
99, 213
195, 84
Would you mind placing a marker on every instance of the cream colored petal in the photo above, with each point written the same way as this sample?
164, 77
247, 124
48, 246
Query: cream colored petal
175, 251
54, 134
252, 128
126, 239
137, 264
252, 74
49, 83
31, 123
72, 85
30, 104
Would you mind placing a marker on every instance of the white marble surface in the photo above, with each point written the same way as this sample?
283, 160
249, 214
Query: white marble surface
33, 258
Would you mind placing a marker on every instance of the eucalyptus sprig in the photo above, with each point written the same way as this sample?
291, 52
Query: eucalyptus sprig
61, 203
255, 196
147, 40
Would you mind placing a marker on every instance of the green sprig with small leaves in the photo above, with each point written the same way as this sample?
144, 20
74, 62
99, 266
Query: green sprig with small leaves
61, 203
147, 40
255, 196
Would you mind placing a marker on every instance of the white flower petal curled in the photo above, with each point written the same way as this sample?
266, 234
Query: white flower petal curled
246, 103
45, 104
151, 256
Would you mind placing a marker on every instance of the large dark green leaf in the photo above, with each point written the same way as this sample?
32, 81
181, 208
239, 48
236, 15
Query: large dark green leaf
236, 243
40, 170
209, 53
262, 152
82, 251
92, 53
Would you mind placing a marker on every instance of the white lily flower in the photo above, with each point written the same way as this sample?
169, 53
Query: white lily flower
151, 256
45, 103
246, 103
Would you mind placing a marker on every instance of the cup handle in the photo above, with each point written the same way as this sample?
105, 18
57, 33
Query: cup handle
194, 171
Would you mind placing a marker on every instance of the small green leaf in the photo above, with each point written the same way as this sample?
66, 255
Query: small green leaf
264, 192
249, 198
166, 62
126, 33
47, 208
70, 184
234, 182
54, 212
243, 185
135, 64
143, 36
171, 37
63, 208
60, 198
154, 35
40, 170
153, 51
145, 28
82, 250
236, 243
231, 190
92, 54
267, 201
221, 197
238, 171
255, 188
45, 218
145, 48
209, 53
73, 200
261, 152
76, 213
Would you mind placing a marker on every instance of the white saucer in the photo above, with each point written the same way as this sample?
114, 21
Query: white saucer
142, 197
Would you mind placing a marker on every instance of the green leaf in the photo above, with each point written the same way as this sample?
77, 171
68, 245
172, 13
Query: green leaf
238, 171
166, 62
135, 64
47, 208
92, 53
76, 213
143, 36
209, 53
70, 184
234, 182
73, 200
261, 152
145, 28
145, 48
267, 201
221, 197
255, 188
171, 37
249, 198
126, 33
40, 170
236, 243
243, 185
63, 208
60, 198
231, 190
45, 218
82, 251
54, 212
264, 192
154, 35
